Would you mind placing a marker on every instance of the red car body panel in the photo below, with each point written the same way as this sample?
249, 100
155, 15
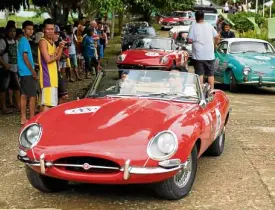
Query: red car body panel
138, 57
176, 19
121, 130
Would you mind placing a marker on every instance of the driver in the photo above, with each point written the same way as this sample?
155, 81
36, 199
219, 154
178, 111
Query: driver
125, 85
175, 82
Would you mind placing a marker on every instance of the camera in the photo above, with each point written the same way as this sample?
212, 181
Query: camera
67, 44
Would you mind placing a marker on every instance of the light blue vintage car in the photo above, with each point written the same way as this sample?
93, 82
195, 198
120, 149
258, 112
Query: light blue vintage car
244, 61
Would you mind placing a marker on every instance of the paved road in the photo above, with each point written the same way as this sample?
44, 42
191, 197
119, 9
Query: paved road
242, 178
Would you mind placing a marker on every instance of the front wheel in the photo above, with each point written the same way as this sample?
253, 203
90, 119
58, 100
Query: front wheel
45, 183
180, 184
234, 86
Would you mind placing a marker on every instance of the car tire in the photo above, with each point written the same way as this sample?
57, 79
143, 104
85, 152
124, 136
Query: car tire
217, 147
233, 86
172, 188
45, 183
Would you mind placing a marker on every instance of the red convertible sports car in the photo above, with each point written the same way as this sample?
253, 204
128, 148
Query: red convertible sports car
153, 53
176, 16
148, 127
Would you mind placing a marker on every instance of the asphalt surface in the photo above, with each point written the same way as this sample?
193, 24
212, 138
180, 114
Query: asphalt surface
242, 178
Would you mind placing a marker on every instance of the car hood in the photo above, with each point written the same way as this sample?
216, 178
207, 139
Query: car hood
109, 124
171, 19
257, 62
180, 28
144, 56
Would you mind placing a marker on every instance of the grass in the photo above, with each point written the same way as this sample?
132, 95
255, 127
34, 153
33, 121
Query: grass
20, 20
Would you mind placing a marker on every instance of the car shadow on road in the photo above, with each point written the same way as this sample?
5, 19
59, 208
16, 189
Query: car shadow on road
244, 89
119, 192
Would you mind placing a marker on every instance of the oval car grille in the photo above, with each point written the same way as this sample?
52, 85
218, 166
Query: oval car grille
87, 165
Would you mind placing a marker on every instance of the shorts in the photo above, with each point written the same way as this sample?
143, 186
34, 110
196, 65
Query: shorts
73, 60
28, 86
49, 96
204, 67
62, 64
90, 63
68, 62
8, 80
61, 86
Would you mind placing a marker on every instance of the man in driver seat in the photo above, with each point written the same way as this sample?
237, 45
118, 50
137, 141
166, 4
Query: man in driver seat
125, 85
175, 82
179, 84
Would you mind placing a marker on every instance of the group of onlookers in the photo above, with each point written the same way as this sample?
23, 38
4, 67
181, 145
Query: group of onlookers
234, 7
35, 65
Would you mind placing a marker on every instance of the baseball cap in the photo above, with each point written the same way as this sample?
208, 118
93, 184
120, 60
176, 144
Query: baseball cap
56, 29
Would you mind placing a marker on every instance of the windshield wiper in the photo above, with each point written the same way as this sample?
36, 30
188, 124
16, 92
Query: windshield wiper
249, 51
176, 95
118, 95
267, 52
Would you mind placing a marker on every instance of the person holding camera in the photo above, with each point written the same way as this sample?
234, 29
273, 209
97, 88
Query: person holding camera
64, 62
48, 55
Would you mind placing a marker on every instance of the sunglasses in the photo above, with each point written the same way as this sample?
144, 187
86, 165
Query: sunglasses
174, 76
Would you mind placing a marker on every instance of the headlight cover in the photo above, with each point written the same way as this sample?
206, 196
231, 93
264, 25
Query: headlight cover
30, 136
163, 146
121, 57
164, 60
246, 70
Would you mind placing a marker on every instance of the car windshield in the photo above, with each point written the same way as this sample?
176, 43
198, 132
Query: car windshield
137, 24
250, 46
146, 31
210, 17
185, 22
147, 43
166, 85
179, 14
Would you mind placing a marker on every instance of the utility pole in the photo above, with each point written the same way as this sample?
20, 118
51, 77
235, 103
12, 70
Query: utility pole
257, 3
263, 7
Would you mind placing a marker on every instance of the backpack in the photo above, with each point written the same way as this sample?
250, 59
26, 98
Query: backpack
7, 45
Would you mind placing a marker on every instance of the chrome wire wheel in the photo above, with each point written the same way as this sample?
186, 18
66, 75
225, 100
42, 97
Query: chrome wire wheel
183, 176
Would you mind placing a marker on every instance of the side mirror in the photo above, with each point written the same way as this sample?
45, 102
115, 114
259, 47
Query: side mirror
202, 104
210, 97
224, 51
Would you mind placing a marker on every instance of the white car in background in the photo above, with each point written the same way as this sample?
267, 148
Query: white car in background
182, 26
211, 18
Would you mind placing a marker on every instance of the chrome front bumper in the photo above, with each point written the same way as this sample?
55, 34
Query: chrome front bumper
260, 81
164, 166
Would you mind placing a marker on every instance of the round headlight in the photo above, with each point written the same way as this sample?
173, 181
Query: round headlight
246, 70
166, 143
121, 57
30, 136
162, 146
164, 60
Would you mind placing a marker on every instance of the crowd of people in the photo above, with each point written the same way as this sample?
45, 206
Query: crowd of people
36, 62
234, 7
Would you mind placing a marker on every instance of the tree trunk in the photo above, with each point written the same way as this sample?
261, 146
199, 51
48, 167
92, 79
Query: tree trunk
120, 22
113, 25
60, 14
147, 15
7, 14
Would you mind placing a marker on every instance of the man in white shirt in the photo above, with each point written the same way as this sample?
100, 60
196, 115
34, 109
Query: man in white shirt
203, 37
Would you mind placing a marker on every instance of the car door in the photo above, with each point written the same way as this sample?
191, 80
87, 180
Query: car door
221, 61
213, 120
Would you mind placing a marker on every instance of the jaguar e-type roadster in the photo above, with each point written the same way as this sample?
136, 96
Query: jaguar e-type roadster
148, 127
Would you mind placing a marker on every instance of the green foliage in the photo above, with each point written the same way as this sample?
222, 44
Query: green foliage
253, 34
243, 25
